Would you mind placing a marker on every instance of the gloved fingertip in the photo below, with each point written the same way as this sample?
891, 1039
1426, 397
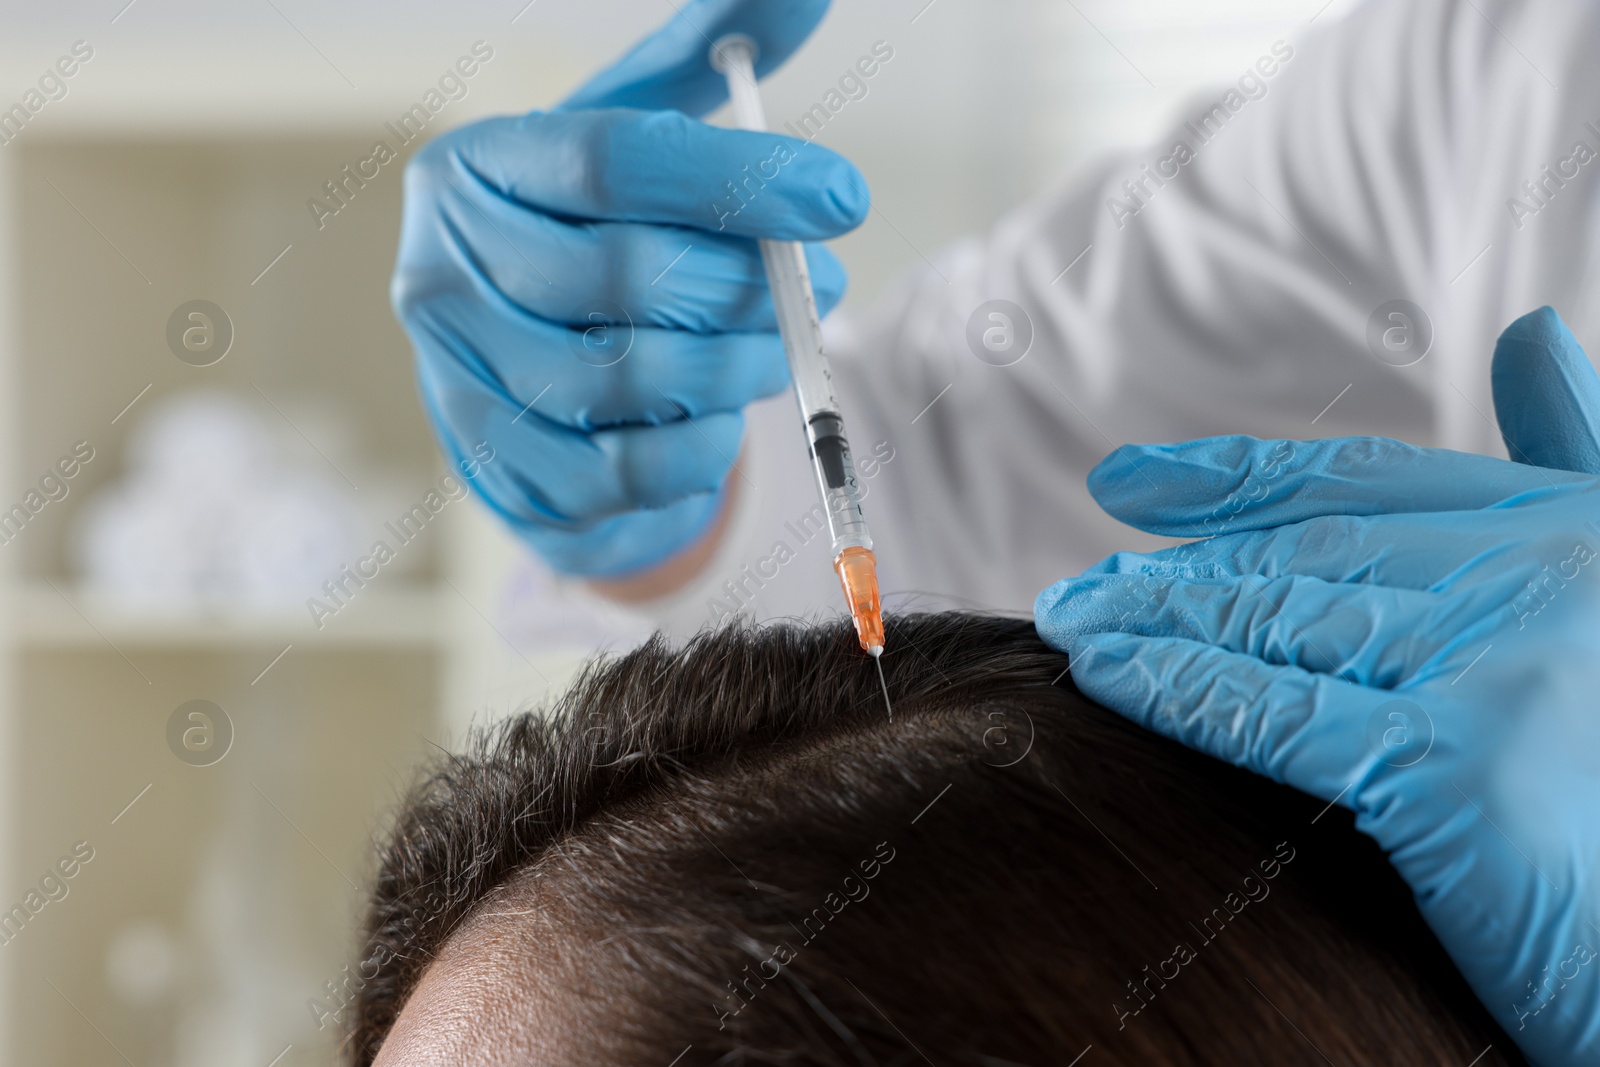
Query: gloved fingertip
670, 68
1138, 484
1107, 669
1145, 468
850, 197
1090, 652
1111, 476
816, 193
1097, 603
1542, 326
842, 199
1044, 610
1546, 395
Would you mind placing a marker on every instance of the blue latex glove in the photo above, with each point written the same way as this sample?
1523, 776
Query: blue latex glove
583, 292
1412, 633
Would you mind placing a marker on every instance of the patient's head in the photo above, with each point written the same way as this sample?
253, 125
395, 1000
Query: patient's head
731, 853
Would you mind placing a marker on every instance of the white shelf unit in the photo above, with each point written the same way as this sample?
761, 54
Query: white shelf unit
248, 871
56, 617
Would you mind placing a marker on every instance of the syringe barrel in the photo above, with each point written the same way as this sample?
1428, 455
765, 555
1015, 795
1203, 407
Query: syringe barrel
837, 481
801, 328
789, 278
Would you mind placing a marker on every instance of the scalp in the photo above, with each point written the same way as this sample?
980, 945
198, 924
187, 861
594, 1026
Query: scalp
732, 846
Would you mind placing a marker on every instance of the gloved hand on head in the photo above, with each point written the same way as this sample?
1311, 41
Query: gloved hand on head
584, 293
1412, 633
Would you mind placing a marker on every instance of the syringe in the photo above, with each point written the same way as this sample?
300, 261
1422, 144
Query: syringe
801, 329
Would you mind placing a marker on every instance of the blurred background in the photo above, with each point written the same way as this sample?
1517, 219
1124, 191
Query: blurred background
206, 411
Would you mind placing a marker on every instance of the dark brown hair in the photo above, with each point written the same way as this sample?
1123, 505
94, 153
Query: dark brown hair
749, 857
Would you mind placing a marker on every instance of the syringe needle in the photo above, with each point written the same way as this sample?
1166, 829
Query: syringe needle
877, 658
789, 278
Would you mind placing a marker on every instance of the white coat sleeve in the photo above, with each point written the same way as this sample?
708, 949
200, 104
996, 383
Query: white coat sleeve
1223, 279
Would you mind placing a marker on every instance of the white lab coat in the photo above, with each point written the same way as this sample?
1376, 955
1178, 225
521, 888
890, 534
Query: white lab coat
1384, 160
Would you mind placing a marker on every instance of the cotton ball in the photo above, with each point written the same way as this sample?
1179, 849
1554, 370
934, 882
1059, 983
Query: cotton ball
211, 512
136, 542
204, 436
294, 534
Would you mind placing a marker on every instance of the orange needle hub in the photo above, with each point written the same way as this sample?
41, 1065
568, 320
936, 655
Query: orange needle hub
858, 573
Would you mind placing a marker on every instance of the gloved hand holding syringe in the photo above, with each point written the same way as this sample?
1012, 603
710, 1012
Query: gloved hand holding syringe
801, 329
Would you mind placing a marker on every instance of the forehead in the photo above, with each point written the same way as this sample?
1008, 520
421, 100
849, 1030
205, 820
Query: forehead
492, 997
